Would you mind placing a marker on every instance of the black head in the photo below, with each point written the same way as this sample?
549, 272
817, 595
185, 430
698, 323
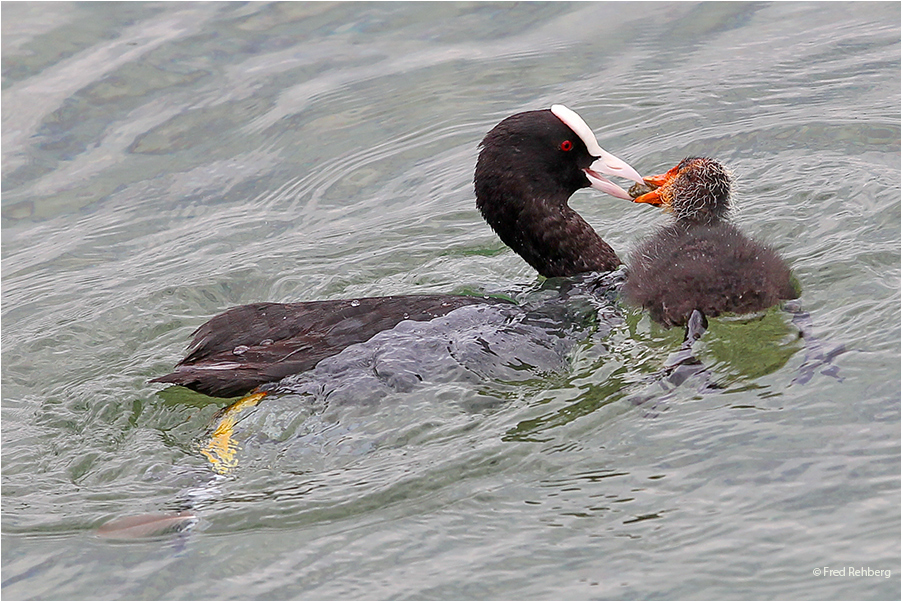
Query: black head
534, 154
529, 166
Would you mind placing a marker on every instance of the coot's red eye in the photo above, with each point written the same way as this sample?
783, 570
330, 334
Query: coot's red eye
566, 145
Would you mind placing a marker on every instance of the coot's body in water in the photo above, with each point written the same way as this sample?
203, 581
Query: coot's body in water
259, 343
529, 166
701, 262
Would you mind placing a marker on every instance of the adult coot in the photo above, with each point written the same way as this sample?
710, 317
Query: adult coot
528, 167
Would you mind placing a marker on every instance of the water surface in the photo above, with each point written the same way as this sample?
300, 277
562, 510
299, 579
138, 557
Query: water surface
163, 162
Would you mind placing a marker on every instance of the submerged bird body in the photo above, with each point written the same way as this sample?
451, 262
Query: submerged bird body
251, 345
529, 166
701, 261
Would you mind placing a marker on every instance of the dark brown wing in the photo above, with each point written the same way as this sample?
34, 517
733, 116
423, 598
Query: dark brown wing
254, 344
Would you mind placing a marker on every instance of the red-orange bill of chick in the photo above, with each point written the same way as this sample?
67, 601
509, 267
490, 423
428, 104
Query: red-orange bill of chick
654, 191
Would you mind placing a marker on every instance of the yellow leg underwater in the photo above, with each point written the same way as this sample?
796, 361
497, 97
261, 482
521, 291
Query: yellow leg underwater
222, 450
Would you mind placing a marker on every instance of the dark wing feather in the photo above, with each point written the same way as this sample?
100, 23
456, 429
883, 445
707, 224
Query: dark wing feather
254, 344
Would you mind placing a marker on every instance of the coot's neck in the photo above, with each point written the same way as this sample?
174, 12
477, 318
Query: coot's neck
533, 218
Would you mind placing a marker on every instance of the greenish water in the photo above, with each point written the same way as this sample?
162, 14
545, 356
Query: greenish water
163, 162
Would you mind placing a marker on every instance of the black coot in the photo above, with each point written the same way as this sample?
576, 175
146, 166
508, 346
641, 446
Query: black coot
529, 166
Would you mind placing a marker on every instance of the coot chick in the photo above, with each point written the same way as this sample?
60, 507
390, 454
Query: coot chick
529, 166
701, 261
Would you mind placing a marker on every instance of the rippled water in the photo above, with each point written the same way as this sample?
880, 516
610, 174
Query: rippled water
162, 162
